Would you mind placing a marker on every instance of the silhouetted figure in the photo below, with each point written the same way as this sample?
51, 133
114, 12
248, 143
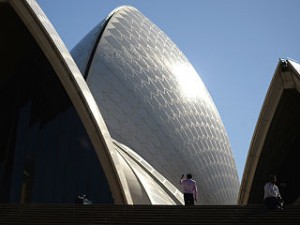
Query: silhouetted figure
82, 199
190, 190
272, 197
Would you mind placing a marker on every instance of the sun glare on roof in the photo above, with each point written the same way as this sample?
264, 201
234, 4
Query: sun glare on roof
188, 80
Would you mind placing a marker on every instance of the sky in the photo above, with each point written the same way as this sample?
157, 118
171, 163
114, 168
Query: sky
234, 45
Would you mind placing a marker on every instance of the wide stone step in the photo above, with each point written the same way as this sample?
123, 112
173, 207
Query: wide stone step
45, 214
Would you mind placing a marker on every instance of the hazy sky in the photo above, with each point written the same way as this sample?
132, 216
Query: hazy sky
234, 45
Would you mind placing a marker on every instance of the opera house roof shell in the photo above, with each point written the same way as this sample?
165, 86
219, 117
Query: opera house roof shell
153, 100
274, 148
144, 109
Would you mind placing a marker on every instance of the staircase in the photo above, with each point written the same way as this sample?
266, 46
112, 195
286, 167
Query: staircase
60, 214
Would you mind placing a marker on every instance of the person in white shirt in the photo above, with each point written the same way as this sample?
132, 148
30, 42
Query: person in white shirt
272, 197
190, 190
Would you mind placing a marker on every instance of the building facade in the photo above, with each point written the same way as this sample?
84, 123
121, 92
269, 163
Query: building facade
153, 101
122, 128
274, 148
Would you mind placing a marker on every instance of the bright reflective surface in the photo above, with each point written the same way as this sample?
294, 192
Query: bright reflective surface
188, 80
154, 102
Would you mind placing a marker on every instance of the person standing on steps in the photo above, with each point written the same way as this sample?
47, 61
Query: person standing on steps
190, 190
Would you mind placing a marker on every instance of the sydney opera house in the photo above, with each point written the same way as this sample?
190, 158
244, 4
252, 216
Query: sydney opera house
123, 115
275, 143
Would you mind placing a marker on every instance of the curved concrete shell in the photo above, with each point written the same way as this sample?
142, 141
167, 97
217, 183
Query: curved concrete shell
50, 120
153, 102
56, 144
275, 143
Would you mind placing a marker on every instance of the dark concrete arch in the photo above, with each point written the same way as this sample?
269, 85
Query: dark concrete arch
35, 64
275, 144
